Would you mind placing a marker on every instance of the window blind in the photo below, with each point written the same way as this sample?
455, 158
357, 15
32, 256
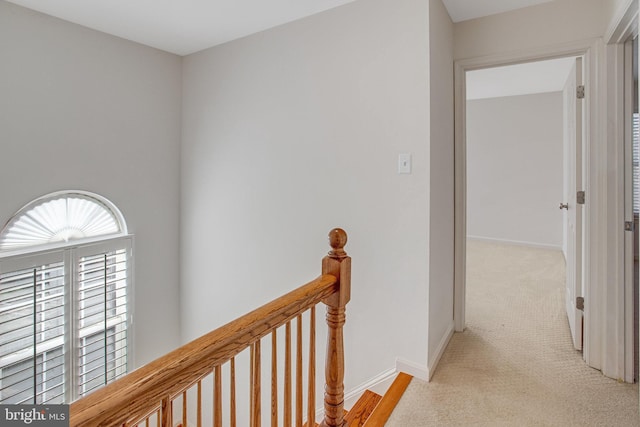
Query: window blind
101, 319
59, 218
32, 327
64, 322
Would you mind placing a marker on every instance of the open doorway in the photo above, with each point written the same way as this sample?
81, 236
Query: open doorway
608, 308
523, 142
462, 68
514, 129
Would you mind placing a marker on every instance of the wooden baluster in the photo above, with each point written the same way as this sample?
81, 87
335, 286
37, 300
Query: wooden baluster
217, 397
287, 376
274, 379
338, 264
257, 414
146, 422
184, 409
167, 416
158, 418
252, 366
299, 371
311, 397
232, 393
199, 410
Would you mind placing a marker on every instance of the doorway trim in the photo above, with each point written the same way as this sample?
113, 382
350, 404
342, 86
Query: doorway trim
620, 364
594, 158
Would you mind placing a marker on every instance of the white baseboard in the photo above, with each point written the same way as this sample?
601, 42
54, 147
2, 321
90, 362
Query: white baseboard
423, 372
442, 346
381, 382
414, 369
516, 242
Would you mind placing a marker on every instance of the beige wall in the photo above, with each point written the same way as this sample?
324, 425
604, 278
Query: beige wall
293, 131
81, 110
442, 180
514, 169
548, 24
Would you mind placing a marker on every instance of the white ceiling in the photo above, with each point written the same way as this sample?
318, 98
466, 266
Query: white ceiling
180, 26
520, 79
186, 26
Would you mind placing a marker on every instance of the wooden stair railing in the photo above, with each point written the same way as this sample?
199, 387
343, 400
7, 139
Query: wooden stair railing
169, 391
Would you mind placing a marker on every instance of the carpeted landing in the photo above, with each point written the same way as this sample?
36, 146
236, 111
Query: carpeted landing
515, 364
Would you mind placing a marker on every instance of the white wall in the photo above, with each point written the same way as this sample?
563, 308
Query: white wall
442, 182
83, 110
514, 169
293, 131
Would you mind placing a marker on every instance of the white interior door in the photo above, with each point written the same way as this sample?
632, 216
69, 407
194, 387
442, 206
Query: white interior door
573, 210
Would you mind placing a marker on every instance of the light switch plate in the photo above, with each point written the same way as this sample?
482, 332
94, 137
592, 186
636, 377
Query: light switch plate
404, 163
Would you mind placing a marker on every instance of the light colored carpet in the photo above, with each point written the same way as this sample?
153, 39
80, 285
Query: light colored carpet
515, 365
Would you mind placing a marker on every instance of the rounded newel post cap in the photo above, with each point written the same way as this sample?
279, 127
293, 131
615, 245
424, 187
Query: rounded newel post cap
337, 240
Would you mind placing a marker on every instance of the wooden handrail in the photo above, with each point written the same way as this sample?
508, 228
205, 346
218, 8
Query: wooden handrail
156, 384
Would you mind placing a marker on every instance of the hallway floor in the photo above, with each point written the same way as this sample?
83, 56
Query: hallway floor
515, 364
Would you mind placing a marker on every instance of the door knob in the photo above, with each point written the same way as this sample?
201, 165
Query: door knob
564, 206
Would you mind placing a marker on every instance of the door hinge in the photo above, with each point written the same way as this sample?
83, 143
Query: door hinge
629, 226
580, 197
580, 303
580, 92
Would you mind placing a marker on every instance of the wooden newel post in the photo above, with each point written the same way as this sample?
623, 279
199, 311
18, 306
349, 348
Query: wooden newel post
338, 264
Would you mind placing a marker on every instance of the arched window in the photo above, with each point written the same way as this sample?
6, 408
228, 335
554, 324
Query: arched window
65, 263
61, 217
